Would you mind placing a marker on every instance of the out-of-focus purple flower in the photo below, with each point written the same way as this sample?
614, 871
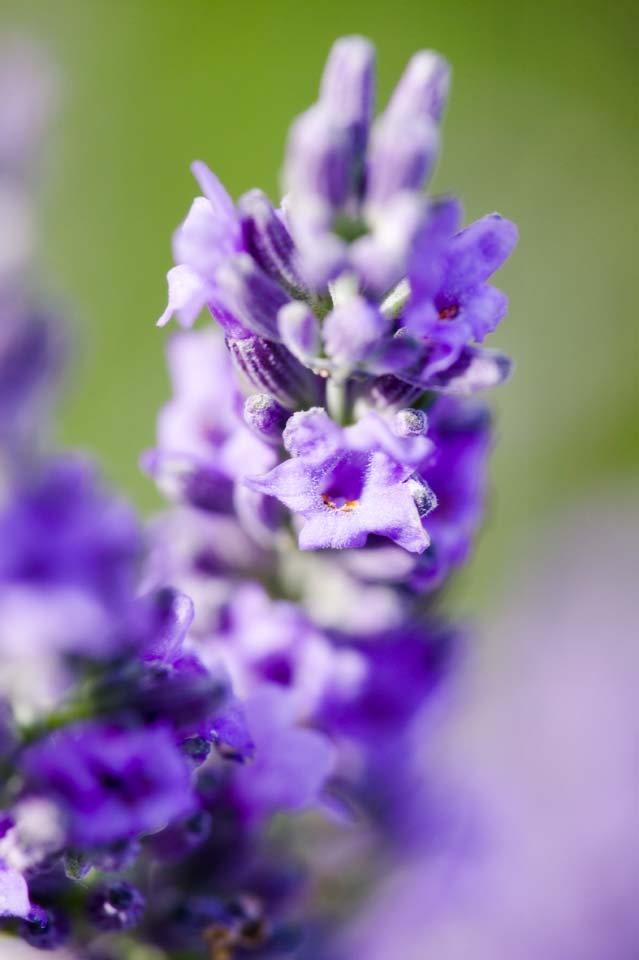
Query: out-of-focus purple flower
274, 642
291, 762
45, 928
203, 444
31, 352
402, 667
110, 783
118, 906
62, 529
349, 482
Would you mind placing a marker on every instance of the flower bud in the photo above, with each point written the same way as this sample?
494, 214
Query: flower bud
271, 368
410, 422
268, 240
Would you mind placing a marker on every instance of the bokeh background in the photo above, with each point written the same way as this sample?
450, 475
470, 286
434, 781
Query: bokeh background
542, 126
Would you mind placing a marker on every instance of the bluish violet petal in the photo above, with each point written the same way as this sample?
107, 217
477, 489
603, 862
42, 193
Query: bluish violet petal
271, 368
353, 329
442, 346
214, 191
265, 416
395, 354
188, 295
299, 330
348, 84
14, 894
483, 310
401, 155
320, 159
423, 88
251, 295
268, 240
426, 263
474, 254
313, 436
475, 369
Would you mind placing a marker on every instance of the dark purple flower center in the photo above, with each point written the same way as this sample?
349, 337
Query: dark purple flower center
345, 483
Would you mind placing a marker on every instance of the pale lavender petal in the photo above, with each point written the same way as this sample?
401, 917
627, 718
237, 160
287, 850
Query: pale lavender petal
214, 191
202, 241
14, 894
353, 329
292, 483
188, 295
381, 257
312, 435
299, 330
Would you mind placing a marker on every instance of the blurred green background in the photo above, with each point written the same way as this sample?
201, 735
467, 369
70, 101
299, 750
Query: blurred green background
542, 126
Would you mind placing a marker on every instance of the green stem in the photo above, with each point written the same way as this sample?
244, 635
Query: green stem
336, 400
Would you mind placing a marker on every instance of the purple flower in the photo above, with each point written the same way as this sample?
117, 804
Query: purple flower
401, 668
451, 300
291, 762
31, 352
118, 906
264, 641
62, 529
110, 783
348, 483
45, 928
204, 446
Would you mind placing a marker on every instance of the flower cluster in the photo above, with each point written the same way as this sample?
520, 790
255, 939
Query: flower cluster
262, 648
